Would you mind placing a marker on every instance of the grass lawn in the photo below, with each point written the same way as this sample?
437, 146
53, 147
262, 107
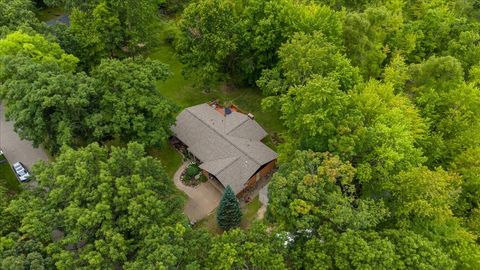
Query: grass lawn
7, 177
249, 215
169, 157
47, 14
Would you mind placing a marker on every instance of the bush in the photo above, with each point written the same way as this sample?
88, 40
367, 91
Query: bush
192, 170
171, 31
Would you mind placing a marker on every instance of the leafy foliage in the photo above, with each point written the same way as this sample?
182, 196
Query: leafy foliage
112, 25
145, 115
314, 190
192, 170
37, 48
17, 15
304, 56
54, 105
379, 157
100, 205
365, 36
223, 37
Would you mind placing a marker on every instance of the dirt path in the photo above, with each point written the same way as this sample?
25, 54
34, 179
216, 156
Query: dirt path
202, 199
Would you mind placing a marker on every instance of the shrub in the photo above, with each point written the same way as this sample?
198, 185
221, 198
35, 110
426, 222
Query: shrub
192, 170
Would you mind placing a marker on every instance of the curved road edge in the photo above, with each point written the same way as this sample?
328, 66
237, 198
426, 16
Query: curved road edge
16, 149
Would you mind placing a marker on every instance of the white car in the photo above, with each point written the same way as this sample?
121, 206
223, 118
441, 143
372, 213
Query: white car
21, 171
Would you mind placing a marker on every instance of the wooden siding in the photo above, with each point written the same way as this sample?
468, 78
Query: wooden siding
262, 172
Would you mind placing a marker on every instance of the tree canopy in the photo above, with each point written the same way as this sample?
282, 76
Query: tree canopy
376, 105
99, 208
53, 104
112, 25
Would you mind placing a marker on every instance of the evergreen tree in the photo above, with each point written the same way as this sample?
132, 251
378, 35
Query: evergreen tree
228, 212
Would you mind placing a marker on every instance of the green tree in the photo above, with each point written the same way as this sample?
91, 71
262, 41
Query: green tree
254, 248
432, 25
396, 72
318, 189
468, 206
321, 117
48, 105
121, 25
17, 15
81, 40
104, 204
223, 37
45, 98
18, 252
366, 36
145, 115
229, 213
422, 194
423, 201
269, 24
450, 105
51, 104
107, 28
172, 247
370, 125
304, 56
417, 252
466, 48
37, 48
389, 249
359, 249
208, 39
393, 130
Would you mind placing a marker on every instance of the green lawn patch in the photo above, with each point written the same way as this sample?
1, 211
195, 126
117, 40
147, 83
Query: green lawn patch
7, 177
249, 215
170, 158
47, 14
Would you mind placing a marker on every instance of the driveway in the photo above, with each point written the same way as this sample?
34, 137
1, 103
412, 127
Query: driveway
202, 199
16, 149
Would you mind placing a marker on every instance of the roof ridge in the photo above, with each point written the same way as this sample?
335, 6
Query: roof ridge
228, 165
224, 136
237, 126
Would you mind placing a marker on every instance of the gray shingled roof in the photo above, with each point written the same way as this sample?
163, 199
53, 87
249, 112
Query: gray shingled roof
229, 147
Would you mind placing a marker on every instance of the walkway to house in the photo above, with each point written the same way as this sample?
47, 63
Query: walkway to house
202, 199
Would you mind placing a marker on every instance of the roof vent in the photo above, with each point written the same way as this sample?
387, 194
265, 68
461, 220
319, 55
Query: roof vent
228, 111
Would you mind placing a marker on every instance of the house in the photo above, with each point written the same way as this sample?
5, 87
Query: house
227, 143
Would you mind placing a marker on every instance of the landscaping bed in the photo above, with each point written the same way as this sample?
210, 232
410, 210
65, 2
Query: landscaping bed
193, 175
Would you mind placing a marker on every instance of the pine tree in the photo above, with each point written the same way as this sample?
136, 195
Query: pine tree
228, 212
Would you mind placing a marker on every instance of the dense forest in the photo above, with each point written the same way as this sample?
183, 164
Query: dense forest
379, 104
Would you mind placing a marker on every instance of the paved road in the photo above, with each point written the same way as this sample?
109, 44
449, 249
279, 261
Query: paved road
16, 149
202, 199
